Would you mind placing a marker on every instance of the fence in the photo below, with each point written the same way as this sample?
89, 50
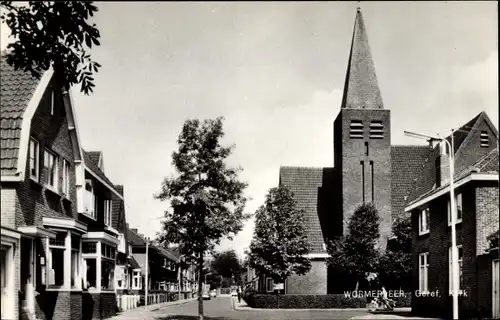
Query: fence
126, 301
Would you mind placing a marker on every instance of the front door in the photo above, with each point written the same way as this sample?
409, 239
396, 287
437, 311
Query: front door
496, 289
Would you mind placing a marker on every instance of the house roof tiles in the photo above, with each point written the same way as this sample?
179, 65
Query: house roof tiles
16, 90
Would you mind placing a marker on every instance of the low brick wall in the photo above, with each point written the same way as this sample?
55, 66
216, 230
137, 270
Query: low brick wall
99, 305
59, 305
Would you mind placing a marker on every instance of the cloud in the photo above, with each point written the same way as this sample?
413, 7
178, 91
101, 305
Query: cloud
306, 134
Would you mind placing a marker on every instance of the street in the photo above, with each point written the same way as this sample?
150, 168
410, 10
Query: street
221, 308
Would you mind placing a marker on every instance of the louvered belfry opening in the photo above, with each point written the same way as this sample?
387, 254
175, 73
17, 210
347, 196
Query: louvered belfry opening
485, 141
376, 130
356, 129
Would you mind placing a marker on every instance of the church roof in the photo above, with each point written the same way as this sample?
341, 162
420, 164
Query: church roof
306, 184
406, 165
361, 88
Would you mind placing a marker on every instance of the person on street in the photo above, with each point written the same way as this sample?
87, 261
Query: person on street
239, 294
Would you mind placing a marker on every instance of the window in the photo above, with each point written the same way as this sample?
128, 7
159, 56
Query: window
65, 177
57, 247
269, 285
33, 159
376, 130
367, 151
356, 129
75, 261
107, 274
89, 247
91, 273
423, 272
423, 221
89, 203
52, 101
485, 139
458, 204
50, 165
107, 212
108, 251
136, 280
460, 259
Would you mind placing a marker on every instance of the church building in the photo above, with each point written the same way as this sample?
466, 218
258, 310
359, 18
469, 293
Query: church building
367, 169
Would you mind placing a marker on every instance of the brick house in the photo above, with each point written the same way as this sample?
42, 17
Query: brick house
367, 168
55, 206
476, 193
162, 265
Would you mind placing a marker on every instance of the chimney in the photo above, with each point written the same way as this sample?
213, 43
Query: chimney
134, 230
442, 165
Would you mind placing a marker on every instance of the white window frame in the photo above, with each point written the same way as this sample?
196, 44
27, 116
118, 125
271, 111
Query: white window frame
108, 208
90, 200
423, 272
460, 269
459, 205
65, 177
55, 163
271, 287
65, 263
36, 158
421, 214
136, 274
52, 101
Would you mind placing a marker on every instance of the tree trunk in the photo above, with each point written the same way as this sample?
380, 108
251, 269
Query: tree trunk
357, 285
200, 286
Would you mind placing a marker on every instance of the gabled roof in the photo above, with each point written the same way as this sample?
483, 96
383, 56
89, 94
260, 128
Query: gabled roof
305, 183
407, 163
134, 239
95, 156
118, 218
133, 263
94, 168
465, 160
20, 96
361, 88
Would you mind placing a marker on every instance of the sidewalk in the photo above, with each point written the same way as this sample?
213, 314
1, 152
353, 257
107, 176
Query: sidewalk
242, 306
391, 316
144, 312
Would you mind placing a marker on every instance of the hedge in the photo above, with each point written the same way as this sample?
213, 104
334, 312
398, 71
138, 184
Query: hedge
324, 301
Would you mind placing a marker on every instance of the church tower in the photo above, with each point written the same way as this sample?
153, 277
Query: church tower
362, 138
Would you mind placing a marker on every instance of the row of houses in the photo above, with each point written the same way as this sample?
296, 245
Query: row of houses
403, 181
67, 251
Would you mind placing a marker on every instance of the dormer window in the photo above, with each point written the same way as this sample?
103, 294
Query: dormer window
107, 212
485, 139
52, 101
356, 129
33, 159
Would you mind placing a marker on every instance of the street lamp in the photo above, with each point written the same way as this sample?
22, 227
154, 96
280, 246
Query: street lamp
454, 250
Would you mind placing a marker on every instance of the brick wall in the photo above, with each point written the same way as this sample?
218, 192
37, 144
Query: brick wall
348, 155
487, 214
314, 282
8, 205
98, 305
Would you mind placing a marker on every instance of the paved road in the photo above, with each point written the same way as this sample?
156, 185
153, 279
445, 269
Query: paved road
221, 308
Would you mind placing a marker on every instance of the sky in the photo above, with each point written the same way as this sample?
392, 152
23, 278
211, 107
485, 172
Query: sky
275, 71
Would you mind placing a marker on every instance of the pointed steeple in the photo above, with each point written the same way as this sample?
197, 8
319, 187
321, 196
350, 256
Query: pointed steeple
361, 87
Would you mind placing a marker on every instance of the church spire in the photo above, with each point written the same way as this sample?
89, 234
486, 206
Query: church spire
361, 87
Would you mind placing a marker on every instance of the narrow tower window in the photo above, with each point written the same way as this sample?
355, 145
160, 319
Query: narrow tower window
373, 182
367, 151
376, 130
485, 139
356, 129
363, 179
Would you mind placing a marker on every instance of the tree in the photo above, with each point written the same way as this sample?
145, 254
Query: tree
227, 265
206, 197
53, 34
279, 245
395, 265
355, 254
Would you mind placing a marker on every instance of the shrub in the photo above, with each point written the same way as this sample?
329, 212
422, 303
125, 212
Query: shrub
288, 301
248, 296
